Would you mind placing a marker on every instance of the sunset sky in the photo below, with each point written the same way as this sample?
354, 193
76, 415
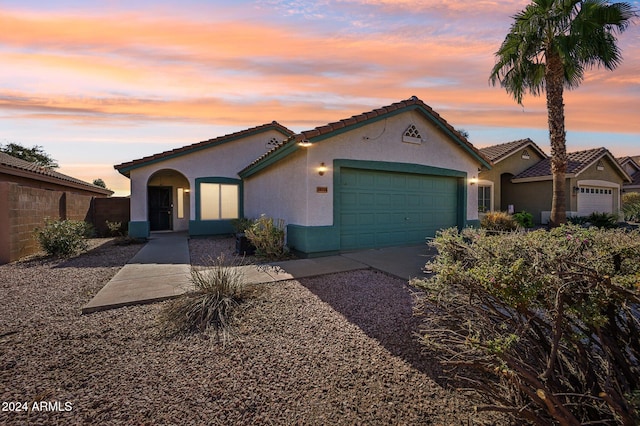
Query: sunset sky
105, 82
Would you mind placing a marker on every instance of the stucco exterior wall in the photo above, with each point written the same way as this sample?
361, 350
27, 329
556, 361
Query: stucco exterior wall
376, 141
514, 164
280, 192
224, 160
532, 197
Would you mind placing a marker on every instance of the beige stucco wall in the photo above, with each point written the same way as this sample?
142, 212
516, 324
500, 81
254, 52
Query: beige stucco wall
513, 164
297, 178
224, 160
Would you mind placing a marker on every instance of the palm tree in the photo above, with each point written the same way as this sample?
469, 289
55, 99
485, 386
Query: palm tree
549, 47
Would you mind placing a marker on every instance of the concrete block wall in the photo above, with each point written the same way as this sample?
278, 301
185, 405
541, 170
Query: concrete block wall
25, 208
113, 209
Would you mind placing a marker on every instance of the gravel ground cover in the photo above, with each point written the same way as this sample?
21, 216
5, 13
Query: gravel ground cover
337, 349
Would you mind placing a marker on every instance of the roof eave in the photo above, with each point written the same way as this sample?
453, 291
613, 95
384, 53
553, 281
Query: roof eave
54, 180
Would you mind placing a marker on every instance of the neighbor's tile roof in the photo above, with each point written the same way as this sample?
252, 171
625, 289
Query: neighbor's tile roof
12, 165
576, 163
501, 151
326, 129
274, 125
635, 179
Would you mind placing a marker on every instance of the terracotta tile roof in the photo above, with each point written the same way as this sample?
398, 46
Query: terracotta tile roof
124, 168
501, 151
345, 124
577, 162
12, 165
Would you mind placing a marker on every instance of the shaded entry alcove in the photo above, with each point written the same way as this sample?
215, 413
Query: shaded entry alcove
168, 201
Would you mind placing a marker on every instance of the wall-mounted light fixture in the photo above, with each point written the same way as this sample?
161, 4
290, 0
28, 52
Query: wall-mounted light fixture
304, 143
576, 189
473, 180
322, 169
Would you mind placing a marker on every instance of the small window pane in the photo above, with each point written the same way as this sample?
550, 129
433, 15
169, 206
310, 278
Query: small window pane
228, 201
209, 201
180, 203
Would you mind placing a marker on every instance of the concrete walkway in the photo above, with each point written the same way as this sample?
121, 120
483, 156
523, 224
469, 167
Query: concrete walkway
161, 270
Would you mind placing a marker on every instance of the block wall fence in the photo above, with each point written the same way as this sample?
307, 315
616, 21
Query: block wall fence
24, 208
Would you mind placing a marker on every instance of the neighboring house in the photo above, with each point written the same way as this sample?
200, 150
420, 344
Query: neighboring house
594, 181
391, 176
29, 194
632, 167
509, 159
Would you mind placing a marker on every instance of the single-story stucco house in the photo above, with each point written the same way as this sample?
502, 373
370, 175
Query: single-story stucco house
521, 180
391, 176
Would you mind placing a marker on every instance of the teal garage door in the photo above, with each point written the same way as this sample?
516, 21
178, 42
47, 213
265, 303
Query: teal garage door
381, 209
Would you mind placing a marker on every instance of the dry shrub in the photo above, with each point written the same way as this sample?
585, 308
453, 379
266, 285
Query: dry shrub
543, 326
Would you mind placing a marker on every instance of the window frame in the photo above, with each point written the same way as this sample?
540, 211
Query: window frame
218, 181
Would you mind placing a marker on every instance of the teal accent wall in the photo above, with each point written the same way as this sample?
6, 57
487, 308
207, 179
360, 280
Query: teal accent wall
313, 241
139, 229
210, 227
215, 227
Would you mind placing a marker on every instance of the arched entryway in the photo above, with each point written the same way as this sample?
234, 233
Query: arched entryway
168, 194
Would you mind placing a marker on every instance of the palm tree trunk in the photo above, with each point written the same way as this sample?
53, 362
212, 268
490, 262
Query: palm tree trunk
554, 79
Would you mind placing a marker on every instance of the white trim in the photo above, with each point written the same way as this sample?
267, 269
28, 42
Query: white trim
604, 184
484, 182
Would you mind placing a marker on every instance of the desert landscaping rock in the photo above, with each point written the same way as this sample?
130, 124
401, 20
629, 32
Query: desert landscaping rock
338, 349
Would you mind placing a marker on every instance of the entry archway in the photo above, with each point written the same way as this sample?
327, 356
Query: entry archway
168, 193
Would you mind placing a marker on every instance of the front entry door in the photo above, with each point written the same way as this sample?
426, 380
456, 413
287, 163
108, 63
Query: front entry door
160, 208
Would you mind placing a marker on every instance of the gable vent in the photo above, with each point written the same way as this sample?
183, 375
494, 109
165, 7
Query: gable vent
272, 143
412, 135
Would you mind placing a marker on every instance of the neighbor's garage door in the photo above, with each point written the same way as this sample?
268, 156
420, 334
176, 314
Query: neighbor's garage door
594, 199
380, 208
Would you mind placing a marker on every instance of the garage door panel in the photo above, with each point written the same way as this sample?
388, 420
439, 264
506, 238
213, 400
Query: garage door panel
386, 208
595, 199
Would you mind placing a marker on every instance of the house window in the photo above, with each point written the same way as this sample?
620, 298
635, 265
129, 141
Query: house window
180, 203
218, 201
412, 135
484, 199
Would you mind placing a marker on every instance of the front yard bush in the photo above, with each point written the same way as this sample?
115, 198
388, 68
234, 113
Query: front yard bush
543, 326
499, 221
63, 237
631, 206
599, 220
524, 219
267, 236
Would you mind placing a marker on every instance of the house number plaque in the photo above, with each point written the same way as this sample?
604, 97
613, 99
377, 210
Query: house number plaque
322, 189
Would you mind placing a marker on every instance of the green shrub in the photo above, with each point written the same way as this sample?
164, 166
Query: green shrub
63, 237
631, 206
240, 225
219, 291
599, 220
267, 236
524, 219
499, 221
115, 228
543, 325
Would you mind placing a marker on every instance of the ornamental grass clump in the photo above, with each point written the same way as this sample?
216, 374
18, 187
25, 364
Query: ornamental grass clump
543, 326
63, 238
213, 305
